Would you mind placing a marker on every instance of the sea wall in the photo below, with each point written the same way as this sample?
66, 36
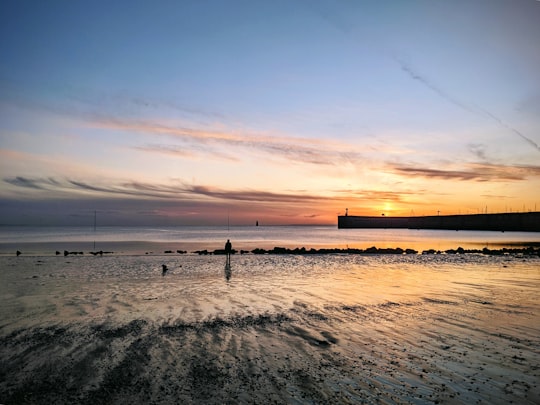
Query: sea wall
523, 221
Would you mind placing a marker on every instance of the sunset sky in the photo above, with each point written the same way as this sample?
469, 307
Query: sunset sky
285, 112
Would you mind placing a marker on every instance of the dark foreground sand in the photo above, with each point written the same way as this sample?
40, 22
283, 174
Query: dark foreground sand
312, 330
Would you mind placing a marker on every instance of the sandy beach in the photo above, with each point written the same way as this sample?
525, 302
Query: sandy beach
270, 329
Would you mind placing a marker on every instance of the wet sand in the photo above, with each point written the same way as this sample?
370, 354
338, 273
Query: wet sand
271, 329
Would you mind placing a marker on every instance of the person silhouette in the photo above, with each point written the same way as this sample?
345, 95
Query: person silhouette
228, 250
164, 269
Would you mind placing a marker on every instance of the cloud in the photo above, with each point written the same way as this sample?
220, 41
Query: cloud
160, 104
188, 151
477, 149
36, 183
197, 199
82, 99
475, 110
53, 200
495, 196
311, 155
161, 191
200, 141
471, 172
381, 196
253, 195
194, 139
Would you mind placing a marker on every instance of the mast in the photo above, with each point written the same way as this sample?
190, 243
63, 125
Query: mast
95, 215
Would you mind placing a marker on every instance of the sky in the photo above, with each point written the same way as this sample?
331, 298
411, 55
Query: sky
283, 112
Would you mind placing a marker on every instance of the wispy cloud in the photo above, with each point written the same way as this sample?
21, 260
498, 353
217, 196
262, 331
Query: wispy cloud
185, 151
253, 195
161, 104
496, 196
189, 138
81, 100
200, 141
162, 191
35, 183
374, 197
470, 172
180, 199
467, 107
479, 150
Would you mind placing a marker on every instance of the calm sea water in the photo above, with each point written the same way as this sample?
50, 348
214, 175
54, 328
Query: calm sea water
140, 240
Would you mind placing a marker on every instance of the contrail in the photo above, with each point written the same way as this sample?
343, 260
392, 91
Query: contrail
340, 25
434, 88
505, 125
448, 97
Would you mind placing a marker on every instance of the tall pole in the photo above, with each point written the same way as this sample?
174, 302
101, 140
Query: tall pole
95, 215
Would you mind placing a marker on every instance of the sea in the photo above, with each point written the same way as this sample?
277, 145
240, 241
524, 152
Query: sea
319, 328
157, 240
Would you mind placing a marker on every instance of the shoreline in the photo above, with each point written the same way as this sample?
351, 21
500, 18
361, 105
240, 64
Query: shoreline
122, 241
528, 248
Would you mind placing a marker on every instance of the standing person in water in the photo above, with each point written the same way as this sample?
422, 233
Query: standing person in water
228, 250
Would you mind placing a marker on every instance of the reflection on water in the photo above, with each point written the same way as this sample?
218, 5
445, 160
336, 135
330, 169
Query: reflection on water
318, 328
228, 271
57, 288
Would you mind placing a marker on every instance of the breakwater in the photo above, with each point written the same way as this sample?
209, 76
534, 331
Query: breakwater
522, 221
